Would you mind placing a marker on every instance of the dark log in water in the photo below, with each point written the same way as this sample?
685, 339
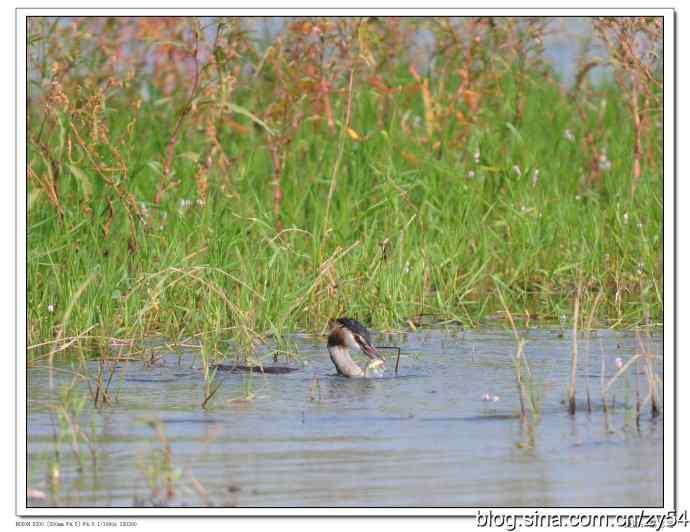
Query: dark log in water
269, 370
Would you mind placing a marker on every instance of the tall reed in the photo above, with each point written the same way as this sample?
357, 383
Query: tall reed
187, 177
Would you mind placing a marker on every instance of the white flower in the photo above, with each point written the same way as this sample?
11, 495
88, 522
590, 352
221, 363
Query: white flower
184, 205
603, 161
625, 217
477, 156
516, 169
51, 308
143, 211
470, 173
535, 176
568, 134
619, 362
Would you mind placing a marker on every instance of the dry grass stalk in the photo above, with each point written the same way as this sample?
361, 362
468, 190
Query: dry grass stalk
518, 361
170, 147
341, 148
634, 53
166, 451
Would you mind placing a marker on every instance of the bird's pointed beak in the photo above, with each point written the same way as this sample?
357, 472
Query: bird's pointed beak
368, 349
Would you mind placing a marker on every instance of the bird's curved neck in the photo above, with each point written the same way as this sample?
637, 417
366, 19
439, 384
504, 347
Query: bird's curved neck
343, 361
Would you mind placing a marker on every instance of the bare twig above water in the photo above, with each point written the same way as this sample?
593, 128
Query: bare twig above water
588, 330
397, 360
650, 373
648, 362
573, 360
210, 393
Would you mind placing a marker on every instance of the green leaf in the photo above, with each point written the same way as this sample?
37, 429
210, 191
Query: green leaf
165, 100
243, 111
33, 196
190, 156
514, 131
155, 166
83, 179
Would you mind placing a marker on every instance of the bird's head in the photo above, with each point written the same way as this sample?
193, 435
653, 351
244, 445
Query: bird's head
349, 333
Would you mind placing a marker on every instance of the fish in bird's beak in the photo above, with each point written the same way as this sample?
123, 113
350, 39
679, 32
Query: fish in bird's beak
367, 348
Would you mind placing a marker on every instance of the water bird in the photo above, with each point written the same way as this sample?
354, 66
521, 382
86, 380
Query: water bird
348, 333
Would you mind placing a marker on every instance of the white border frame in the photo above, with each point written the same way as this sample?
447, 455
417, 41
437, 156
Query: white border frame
669, 391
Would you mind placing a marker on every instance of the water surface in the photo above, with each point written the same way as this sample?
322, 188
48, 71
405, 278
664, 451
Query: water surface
445, 431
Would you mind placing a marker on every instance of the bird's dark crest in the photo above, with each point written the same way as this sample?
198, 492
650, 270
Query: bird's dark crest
356, 327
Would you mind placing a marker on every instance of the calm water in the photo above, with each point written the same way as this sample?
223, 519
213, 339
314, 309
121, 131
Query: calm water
428, 437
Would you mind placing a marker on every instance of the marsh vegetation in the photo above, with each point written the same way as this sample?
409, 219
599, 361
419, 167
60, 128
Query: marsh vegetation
189, 178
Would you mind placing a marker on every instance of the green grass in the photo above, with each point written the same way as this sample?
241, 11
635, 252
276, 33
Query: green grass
411, 229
